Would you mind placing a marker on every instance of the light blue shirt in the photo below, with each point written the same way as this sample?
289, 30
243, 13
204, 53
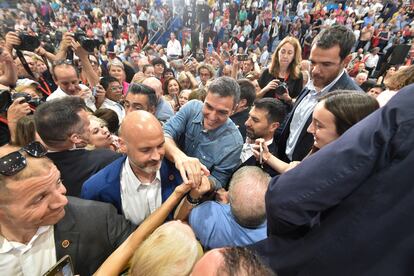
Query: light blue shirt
163, 110
218, 149
215, 226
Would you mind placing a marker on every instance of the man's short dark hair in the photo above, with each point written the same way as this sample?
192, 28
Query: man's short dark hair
57, 119
107, 80
242, 261
225, 87
158, 60
336, 35
276, 110
138, 88
247, 91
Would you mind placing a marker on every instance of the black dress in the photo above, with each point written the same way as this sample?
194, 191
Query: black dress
294, 85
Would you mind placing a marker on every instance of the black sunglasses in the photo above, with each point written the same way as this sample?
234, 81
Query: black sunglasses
15, 161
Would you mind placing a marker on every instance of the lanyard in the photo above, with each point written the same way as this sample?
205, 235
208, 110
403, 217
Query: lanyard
47, 90
3, 120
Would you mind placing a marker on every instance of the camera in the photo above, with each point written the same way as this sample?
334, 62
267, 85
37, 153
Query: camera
7, 98
28, 42
89, 44
242, 57
281, 89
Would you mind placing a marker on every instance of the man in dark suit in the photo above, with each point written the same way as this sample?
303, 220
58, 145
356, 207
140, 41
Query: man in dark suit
138, 183
63, 125
264, 119
247, 96
346, 210
39, 224
329, 55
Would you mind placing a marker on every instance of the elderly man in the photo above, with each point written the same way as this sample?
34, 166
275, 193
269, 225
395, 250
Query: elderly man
242, 221
138, 183
201, 136
63, 125
328, 57
113, 96
163, 110
264, 119
39, 224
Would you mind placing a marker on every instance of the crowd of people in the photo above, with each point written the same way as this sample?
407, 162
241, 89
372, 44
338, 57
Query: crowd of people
206, 137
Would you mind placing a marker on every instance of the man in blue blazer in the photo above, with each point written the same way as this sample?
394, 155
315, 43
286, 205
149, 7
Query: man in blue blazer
136, 184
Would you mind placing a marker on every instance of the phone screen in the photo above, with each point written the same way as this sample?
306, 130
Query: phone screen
210, 48
63, 267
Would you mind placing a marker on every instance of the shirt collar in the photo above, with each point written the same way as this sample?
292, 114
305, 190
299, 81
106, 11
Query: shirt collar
312, 87
7, 246
138, 182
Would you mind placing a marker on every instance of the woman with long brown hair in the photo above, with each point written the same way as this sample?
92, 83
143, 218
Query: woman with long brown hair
284, 69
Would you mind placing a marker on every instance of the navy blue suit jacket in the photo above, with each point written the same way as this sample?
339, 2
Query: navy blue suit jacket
305, 141
105, 185
347, 209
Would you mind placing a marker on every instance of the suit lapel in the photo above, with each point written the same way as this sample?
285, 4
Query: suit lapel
67, 237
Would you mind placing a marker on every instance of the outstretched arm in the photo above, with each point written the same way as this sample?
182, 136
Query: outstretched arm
119, 259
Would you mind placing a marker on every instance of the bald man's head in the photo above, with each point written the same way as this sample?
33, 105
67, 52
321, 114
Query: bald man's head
155, 84
142, 139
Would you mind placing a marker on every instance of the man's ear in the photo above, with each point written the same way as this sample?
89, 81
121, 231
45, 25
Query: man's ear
274, 126
242, 103
122, 145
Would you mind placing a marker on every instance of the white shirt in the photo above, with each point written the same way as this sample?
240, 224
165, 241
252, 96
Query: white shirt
302, 113
139, 199
371, 60
59, 93
34, 258
117, 107
173, 48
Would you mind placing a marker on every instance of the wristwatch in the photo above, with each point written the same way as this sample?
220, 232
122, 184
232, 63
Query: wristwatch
192, 201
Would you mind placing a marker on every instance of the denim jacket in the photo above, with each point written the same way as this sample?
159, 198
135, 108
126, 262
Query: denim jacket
219, 149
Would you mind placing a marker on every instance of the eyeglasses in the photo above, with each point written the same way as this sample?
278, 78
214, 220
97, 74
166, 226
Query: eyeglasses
115, 88
63, 61
15, 161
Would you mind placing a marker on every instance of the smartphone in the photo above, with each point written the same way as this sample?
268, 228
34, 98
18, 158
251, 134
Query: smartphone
94, 92
260, 153
242, 57
62, 267
210, 48
176, 100
188, 59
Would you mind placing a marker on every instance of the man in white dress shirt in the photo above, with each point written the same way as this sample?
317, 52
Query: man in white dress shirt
173, 47
138, 183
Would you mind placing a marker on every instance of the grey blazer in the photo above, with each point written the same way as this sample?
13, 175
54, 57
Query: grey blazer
89, 232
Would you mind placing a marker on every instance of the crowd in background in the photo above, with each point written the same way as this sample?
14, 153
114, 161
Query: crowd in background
235, 91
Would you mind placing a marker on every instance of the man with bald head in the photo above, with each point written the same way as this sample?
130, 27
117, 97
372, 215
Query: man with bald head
136, 184
163, 110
